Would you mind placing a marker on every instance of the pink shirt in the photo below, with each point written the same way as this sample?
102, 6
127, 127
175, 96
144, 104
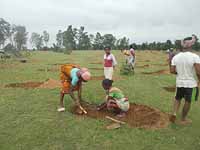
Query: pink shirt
109, 60
132, 51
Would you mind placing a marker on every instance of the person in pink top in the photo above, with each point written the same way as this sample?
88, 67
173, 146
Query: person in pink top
109, 63
131, 60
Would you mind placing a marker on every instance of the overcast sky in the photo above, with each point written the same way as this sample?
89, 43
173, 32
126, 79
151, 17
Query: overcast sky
140, 20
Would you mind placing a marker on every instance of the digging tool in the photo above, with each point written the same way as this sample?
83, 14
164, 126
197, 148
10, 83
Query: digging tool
85, 112
115, 120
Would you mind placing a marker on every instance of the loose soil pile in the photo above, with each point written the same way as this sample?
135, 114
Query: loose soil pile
49, 70
170, 88
49, 84
24, 85
157, 72
140, 116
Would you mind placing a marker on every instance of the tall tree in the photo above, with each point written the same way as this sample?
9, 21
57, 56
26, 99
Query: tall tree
109, 40
20, 36
36, 40
69, 41
98, 42
45, 37
83, 42
4, 31
122, 43
59, 39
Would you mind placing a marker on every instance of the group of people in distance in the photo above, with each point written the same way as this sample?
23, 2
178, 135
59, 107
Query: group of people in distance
185, 64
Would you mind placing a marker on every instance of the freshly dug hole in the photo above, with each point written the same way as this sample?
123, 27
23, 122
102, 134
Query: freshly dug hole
139, 116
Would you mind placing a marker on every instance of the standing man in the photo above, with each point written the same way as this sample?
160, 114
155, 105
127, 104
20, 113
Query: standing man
186, 66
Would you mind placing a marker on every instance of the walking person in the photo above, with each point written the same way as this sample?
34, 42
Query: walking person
186, 66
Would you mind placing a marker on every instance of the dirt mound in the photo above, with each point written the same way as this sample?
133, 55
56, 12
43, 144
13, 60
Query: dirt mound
102, 78
140, 116
24, 85
157, 72
95, 68
170, 88
49, 70
49, 84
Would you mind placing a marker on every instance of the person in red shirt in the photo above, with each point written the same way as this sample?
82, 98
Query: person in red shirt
109, 63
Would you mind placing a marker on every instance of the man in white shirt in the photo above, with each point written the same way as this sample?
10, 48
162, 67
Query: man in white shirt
186, 66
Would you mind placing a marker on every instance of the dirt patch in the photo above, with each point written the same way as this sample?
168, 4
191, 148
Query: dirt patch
140, 116
49, 70
157, 72
144, 66
95, 68
49, 84
170, 88
24, 85
102, 78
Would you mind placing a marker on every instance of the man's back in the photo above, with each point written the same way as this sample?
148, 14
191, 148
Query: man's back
186, 75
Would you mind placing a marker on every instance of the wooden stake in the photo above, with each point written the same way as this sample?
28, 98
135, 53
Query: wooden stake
85, 112
115, 120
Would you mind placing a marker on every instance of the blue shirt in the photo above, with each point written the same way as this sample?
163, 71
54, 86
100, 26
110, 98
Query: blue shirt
74, 76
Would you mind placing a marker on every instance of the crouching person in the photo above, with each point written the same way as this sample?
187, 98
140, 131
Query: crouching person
115, 99
72, 77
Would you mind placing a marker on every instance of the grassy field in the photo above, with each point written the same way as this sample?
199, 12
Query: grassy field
29, 120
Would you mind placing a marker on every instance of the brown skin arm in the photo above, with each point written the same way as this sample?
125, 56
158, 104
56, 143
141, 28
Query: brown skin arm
173, 69
197, 69
77, 101
80, 91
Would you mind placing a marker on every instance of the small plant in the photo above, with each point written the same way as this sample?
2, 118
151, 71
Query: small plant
126, 69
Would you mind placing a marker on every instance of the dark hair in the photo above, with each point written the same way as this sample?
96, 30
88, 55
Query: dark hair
107, 82
131, 46
107, 47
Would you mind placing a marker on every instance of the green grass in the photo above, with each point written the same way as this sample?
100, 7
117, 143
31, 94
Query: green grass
29, 119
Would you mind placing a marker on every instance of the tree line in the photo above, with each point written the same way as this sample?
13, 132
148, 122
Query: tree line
15, 37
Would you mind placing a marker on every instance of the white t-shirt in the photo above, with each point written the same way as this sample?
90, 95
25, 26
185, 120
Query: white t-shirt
186, 74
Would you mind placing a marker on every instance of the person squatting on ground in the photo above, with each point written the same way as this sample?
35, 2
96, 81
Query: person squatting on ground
186, 66
71, 78
115, 99
109, 63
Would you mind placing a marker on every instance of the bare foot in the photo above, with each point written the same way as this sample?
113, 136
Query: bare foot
185, 122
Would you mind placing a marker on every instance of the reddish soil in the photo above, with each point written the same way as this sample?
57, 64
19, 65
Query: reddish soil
49, 70
24, 85
49, 84
170, 88
139, 116
157, 72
